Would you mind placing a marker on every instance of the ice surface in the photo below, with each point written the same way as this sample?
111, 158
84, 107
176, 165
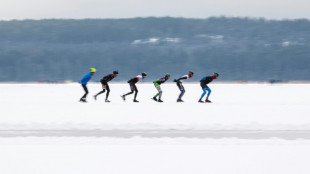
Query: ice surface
235, 106
164, 155
249, 128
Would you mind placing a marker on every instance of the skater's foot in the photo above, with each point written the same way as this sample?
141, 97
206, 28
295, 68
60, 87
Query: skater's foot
154, 98
180, 100
200, 101
123, 97
135, 100
159, 100
208, 101
83, 100
95, 97
108, 101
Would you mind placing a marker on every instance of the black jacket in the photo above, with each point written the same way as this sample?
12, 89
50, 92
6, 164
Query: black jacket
107, 78
206, 80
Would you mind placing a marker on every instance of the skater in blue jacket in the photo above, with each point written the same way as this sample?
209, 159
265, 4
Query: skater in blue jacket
84, 82
203, 83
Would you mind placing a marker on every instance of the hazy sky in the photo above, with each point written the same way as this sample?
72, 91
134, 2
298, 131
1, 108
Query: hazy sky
78, 9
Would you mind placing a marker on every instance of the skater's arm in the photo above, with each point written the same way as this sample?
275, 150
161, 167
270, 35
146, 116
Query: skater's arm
105, 78
182, 78
134, 80
108, 77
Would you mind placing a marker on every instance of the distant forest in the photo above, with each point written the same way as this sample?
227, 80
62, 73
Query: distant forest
236, 48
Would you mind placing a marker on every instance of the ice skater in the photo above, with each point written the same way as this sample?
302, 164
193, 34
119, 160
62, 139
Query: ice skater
105, 86
180, 85
157, 86
203, 83
84, 82
132, 83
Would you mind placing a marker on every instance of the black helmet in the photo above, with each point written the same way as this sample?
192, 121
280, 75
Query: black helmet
115, 72
143, 74
216, 74
190, 72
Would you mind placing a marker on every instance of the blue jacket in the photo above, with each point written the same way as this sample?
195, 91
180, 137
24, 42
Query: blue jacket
86, 78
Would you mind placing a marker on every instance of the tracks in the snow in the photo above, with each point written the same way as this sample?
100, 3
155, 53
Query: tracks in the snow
169, 133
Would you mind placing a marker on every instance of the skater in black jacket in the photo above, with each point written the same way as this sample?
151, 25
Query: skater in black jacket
105, 86
132, 83
180, 85
203, 83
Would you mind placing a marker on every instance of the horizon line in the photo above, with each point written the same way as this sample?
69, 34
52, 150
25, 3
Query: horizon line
159, 17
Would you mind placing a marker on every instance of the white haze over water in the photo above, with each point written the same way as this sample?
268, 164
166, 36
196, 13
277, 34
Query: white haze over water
81, 9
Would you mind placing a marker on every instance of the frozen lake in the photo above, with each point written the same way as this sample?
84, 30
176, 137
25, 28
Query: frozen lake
249, 128
234, 106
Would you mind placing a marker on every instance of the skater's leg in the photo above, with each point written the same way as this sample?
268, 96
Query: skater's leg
204, 93
108, 92
103, 89
86, 92
100, 92
129, 93
132, 88
181, 89
136, 92
203, 87
160, 94
181, 94
209, 92
159, 91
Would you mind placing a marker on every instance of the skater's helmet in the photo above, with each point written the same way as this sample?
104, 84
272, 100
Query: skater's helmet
216, 75
190, 74
143, 74
167, 75
92, 70
115, 72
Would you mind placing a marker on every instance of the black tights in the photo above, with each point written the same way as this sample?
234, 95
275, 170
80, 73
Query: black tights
133, 88
103, 91
86, 92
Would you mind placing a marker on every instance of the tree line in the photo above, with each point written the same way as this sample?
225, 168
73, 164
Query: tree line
237, 48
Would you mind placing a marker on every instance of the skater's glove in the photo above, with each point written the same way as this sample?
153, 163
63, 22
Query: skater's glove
175, 80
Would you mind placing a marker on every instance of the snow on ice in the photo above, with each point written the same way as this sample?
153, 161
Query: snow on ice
249, 128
